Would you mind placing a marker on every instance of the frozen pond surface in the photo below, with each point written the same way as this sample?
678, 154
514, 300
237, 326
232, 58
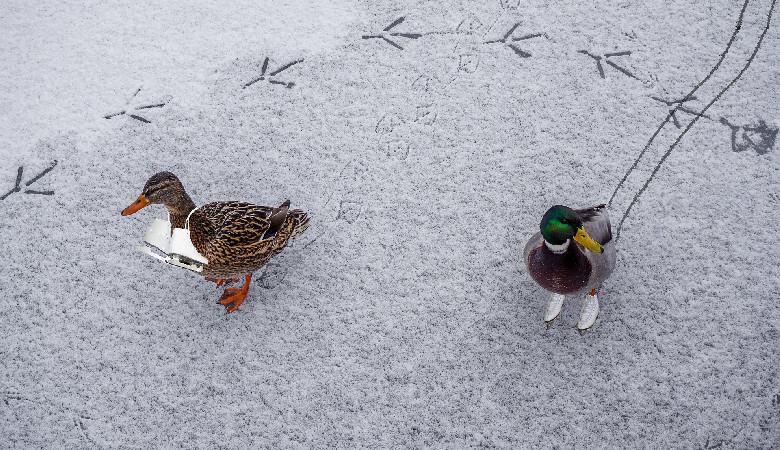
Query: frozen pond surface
426, 139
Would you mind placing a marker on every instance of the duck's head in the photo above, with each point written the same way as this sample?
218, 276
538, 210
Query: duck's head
561, 223
163, 188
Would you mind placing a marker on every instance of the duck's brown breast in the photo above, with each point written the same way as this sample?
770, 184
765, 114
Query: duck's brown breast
564, 273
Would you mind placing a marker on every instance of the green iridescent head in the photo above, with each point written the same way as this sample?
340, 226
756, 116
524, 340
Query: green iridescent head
561, 223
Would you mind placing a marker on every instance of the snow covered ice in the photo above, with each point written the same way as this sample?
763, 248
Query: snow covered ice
426, 140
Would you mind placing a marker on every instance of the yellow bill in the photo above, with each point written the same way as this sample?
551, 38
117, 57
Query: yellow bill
583, 239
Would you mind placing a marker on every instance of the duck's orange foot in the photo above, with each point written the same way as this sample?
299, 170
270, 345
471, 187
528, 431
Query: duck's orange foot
222, 281
232, 298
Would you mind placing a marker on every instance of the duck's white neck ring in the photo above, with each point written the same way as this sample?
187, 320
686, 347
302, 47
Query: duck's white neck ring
558, 249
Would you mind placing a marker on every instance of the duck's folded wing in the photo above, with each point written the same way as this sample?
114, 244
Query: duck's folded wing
238, 223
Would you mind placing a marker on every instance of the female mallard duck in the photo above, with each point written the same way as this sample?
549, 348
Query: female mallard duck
236, 238
564, 268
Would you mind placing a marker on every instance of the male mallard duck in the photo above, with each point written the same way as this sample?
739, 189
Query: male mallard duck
237, 238
564, 268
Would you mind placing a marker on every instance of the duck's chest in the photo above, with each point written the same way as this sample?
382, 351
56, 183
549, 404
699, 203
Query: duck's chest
562, 273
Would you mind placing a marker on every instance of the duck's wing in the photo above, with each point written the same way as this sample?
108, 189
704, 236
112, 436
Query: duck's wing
596, 223
238, 223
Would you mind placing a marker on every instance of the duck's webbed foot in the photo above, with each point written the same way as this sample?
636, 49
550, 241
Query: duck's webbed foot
232, 298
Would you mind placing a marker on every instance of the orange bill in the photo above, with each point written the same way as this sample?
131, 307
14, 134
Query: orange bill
139, 203
586, 241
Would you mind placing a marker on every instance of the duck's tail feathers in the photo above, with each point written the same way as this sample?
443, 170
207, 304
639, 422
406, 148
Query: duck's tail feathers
300, 222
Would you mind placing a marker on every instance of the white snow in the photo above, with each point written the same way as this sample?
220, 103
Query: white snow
404, 317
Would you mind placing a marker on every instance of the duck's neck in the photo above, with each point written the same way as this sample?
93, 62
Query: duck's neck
558, 249
180, 209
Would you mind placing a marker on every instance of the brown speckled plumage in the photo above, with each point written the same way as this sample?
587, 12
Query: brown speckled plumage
236, 238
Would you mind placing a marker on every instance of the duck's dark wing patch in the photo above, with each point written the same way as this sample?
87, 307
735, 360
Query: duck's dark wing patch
590, 214
277, 219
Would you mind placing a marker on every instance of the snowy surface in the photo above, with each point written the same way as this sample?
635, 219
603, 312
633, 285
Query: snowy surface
404, 317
